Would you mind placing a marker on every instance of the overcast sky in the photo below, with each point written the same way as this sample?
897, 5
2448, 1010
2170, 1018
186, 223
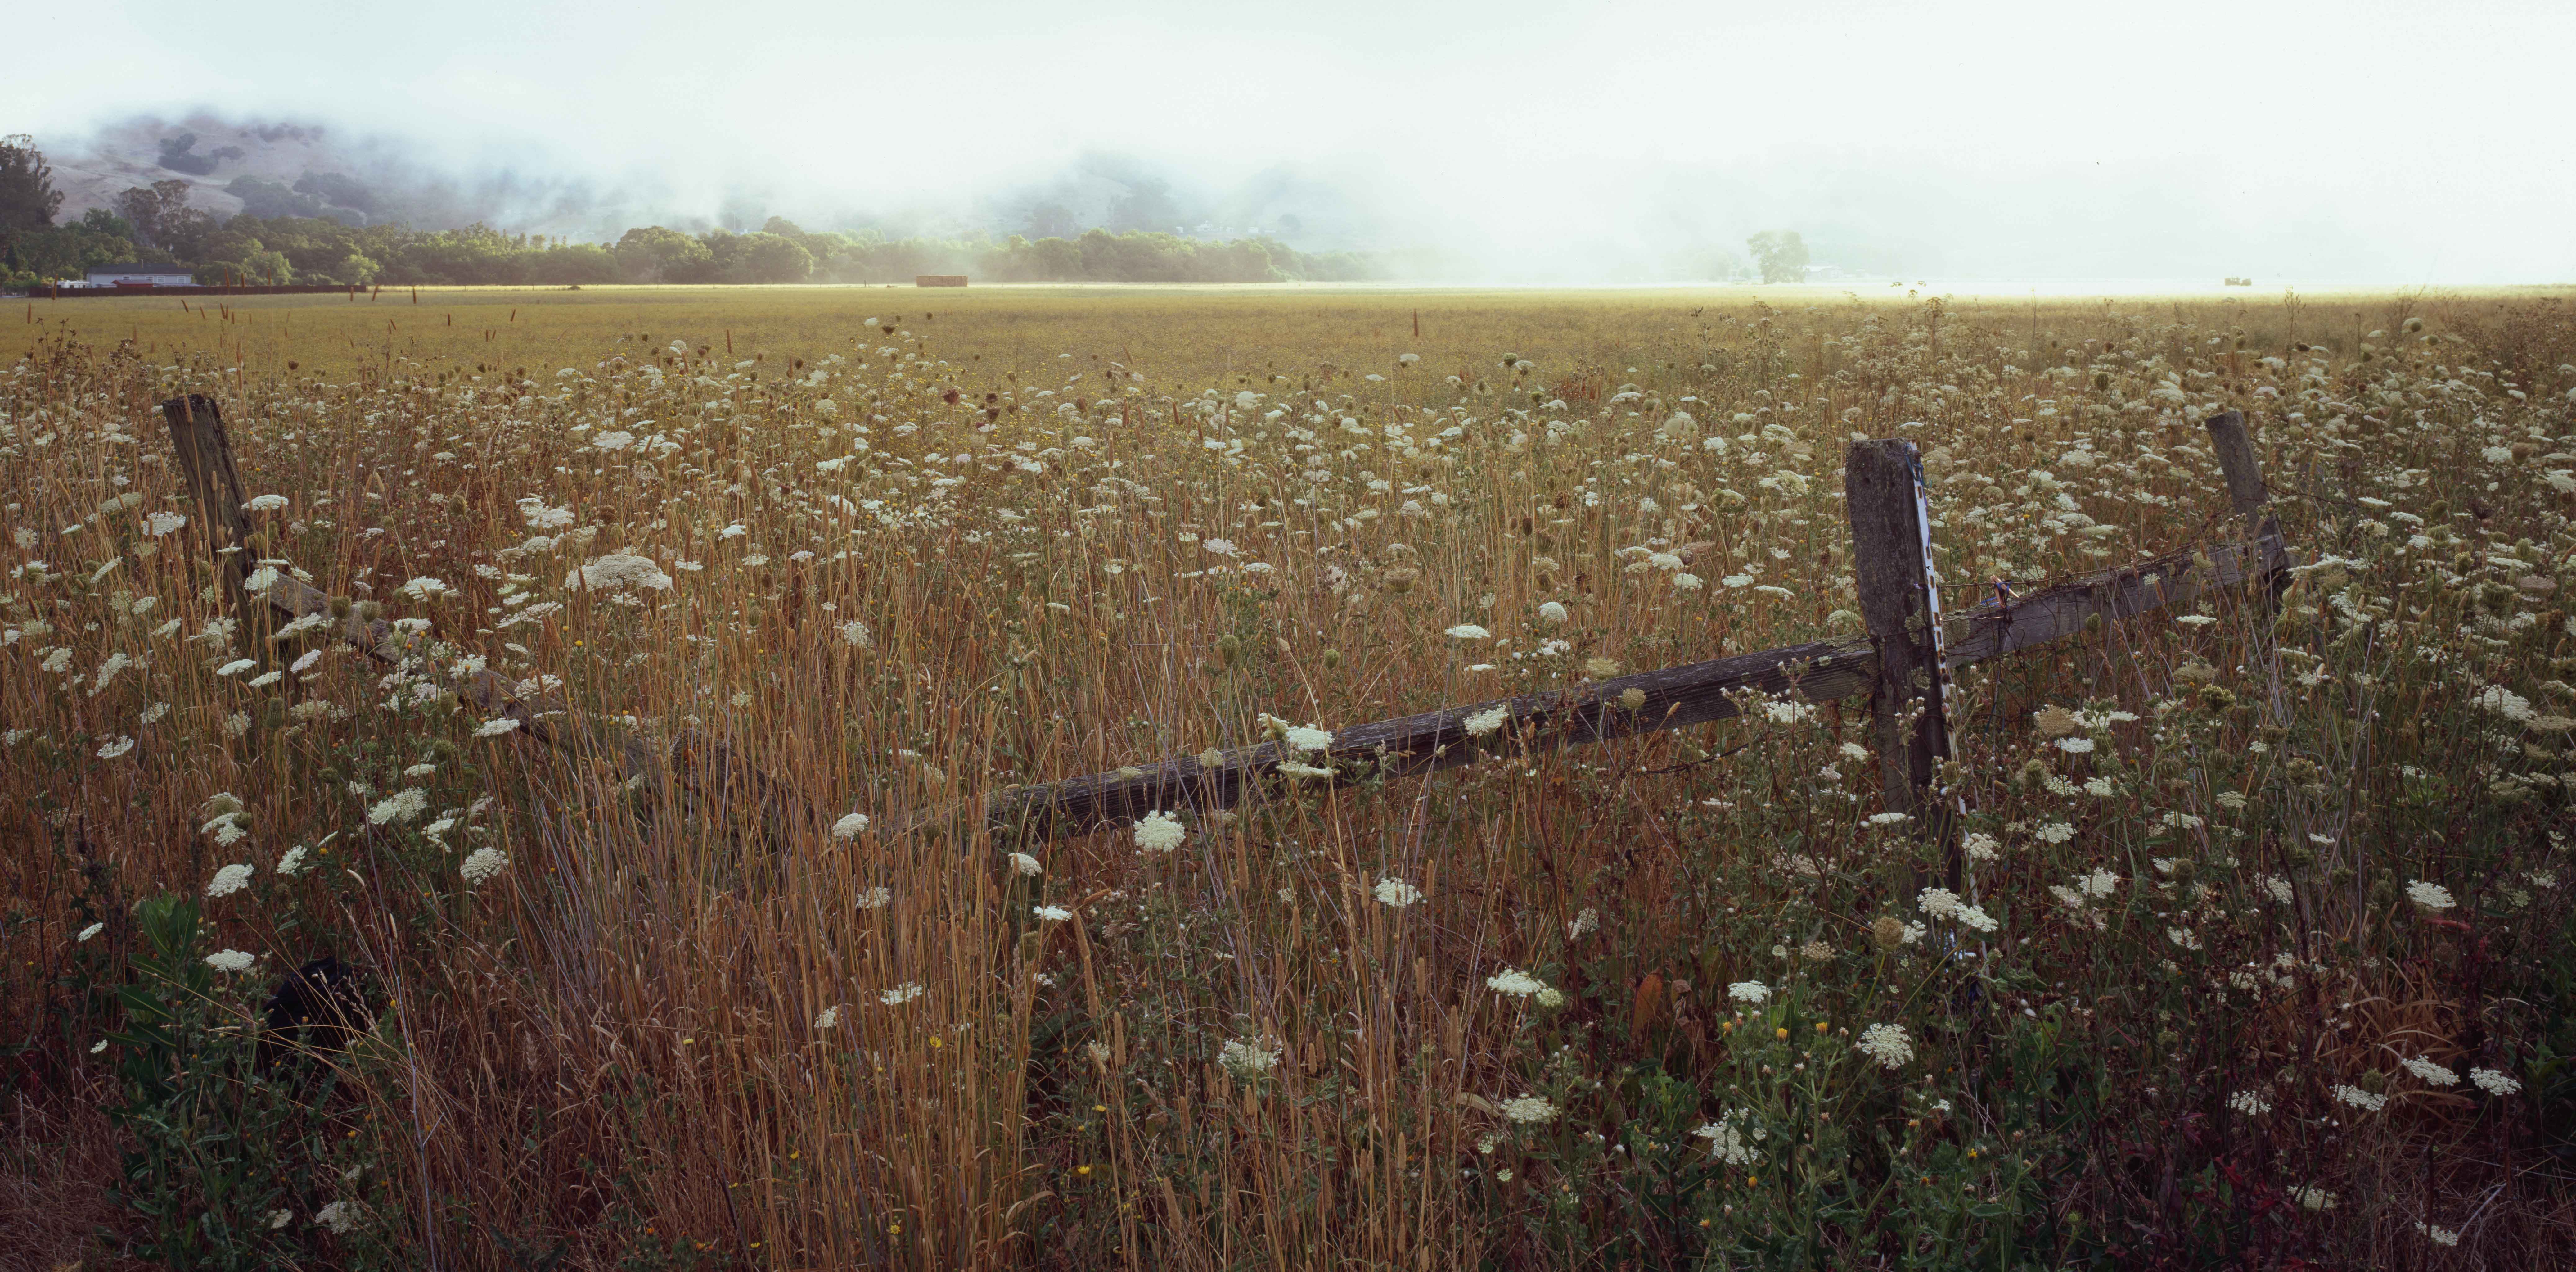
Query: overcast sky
2408, 143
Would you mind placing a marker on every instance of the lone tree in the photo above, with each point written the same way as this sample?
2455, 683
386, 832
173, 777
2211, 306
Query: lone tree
1780, 254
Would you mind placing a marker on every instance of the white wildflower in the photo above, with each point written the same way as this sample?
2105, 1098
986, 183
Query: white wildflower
229, 880
2433, 1074
2488, 1080
481, 865
1246, 1059
2431, 896
619, 570
1396, 893
1749, 992
229, 961
1887, 1044
541, 517
399, 807
1159, 832
1529, 1110
1726, 1142
1514, 982
849, 826
901, 994
1486, 721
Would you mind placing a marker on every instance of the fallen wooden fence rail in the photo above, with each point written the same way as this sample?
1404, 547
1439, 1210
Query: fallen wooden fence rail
702, 765
1673, 698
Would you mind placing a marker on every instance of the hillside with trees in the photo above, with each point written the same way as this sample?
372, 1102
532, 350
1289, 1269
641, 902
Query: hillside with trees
155, 224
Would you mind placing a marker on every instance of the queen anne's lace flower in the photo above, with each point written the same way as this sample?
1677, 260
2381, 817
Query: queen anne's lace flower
229, 880
1249, 1058
2494, 1083
481, 865
1159, 832
1529, 1110
1726, 1142
1886, 1044
1514, 982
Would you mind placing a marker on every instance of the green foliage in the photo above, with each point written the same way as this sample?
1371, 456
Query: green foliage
28, 199
230, 1167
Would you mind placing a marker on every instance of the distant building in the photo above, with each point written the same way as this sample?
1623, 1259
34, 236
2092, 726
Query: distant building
138, 276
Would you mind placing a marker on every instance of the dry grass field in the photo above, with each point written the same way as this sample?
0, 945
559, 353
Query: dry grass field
2261, 956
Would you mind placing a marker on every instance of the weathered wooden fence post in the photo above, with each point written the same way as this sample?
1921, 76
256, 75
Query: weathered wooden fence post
1900, 604
205, 455
2245, 488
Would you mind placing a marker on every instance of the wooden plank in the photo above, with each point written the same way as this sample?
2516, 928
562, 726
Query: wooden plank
1668, 699
1909, 726
1994, 629
1697, 693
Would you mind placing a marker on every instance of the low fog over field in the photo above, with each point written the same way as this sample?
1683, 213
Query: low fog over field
1557, 143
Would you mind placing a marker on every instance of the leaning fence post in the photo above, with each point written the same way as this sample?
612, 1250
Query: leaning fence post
1900, 604
2245, 489
205, 453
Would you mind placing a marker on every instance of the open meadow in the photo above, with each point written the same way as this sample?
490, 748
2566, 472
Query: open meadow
694, 949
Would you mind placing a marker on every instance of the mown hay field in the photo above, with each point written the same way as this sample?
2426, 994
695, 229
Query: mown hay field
2261, 952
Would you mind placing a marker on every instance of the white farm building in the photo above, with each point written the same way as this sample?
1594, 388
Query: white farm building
139, 276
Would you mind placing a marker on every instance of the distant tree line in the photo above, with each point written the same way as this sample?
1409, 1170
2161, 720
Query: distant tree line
154, 224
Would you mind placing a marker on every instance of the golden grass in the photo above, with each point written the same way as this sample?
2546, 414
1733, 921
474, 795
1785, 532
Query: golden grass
620, 1041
